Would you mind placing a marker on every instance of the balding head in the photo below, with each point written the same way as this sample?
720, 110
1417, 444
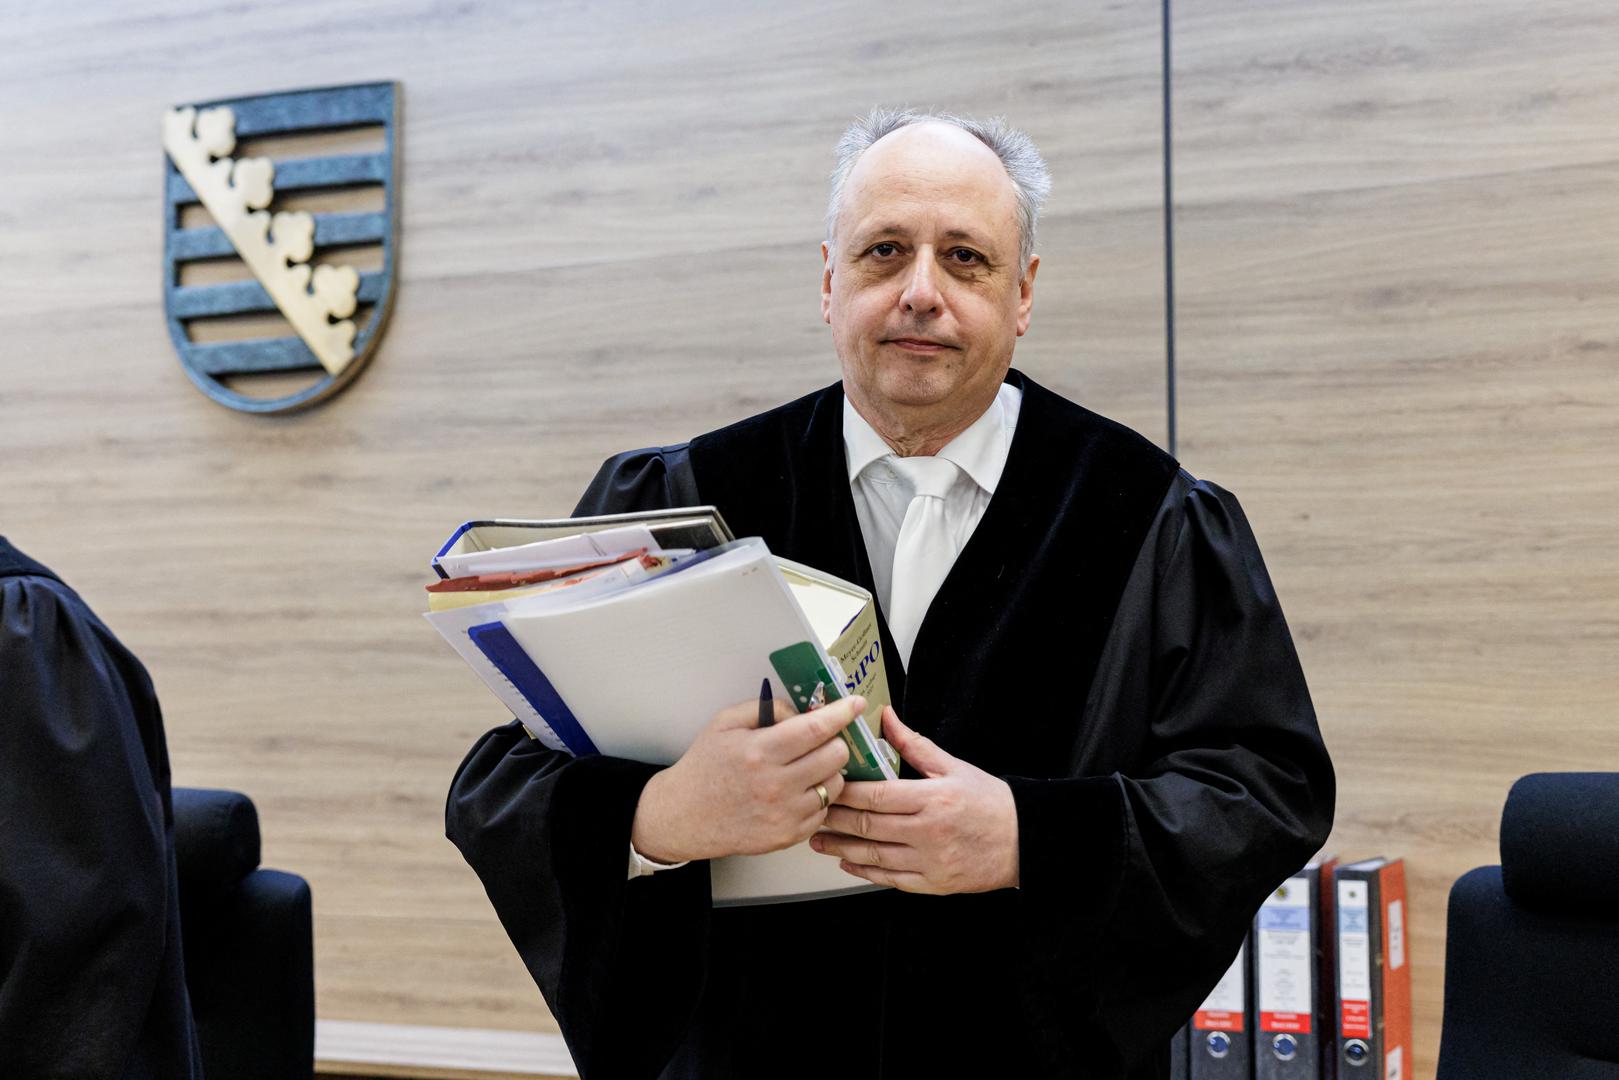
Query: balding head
1022, 164
932, 162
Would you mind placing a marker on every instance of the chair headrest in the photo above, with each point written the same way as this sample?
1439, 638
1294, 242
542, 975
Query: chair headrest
216, 839
1560, 842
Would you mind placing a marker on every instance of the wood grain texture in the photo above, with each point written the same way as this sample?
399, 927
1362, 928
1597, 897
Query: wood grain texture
610, 222
1399, 344
353, 1048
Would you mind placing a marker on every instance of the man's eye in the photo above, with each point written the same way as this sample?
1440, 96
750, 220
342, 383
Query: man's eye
883, 250
966, 256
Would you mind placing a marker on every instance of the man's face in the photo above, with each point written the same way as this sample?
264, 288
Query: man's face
921, 283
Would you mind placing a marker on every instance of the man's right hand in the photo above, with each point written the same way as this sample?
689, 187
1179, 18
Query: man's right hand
744, 790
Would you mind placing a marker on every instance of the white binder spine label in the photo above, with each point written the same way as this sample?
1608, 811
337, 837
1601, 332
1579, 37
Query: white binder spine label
1285, 958
1354, 959
1394, 1064
1396, 935
1226, 1005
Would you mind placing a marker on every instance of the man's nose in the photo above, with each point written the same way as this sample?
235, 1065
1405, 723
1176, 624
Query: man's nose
921, 295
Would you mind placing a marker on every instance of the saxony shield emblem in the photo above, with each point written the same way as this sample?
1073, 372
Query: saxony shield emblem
265, 303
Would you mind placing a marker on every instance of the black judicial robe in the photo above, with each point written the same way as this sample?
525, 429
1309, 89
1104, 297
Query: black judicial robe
92, 983
1108, 642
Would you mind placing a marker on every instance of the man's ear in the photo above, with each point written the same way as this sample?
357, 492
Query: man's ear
826, 283
1026, 295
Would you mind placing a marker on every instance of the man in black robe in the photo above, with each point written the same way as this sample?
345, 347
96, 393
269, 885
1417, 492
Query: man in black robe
92, 983
1111, 753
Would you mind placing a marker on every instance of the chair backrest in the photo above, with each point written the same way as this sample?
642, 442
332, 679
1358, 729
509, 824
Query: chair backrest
216, 841
1532, 950
249, 943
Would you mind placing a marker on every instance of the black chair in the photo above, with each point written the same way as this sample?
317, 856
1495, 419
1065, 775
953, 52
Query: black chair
1532, 951
248, 940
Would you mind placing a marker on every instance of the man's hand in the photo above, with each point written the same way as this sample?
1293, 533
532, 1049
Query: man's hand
744, 790
954, 831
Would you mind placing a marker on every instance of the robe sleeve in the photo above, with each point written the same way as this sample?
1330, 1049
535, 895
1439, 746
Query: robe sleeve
84, 872
620, 962
1147, 879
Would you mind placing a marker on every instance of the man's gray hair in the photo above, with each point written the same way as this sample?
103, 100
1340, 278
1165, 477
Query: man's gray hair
1024, 166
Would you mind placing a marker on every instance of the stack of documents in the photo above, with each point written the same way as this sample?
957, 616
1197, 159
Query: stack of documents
624, 635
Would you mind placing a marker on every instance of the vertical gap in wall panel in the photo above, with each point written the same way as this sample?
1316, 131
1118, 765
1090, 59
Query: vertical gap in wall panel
1169, 244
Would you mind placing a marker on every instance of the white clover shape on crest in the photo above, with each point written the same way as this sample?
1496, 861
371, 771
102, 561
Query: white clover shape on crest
216, 130
254, 178
332, 293
335, 289
292, 236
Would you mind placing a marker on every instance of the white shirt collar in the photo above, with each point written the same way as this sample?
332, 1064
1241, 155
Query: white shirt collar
980, 451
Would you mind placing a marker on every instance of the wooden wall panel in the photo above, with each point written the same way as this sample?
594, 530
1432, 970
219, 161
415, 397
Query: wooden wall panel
1399, 344
611, 214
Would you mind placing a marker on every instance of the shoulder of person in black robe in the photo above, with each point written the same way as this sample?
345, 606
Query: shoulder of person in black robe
91, 980
654, 478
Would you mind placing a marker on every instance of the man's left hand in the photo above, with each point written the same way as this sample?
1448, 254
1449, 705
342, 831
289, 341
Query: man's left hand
954, 831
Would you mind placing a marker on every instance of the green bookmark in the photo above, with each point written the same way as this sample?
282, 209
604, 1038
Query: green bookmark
800, 669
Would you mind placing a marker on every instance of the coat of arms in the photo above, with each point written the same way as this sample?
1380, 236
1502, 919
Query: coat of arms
295, 256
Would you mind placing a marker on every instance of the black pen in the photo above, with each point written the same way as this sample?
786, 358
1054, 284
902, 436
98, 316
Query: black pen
767, 708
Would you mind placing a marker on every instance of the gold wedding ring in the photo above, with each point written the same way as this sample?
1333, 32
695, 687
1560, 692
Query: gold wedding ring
820, 789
